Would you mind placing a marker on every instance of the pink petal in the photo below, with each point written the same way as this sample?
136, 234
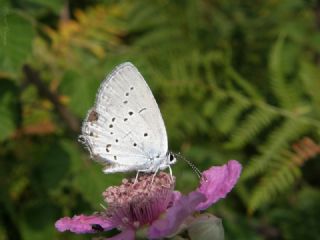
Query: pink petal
218, 182
127, 234
182, 208
84, 224
176, 196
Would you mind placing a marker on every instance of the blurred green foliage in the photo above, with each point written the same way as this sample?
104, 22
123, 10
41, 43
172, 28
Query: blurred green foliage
234, 80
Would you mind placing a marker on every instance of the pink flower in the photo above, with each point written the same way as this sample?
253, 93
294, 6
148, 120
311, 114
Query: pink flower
154, 206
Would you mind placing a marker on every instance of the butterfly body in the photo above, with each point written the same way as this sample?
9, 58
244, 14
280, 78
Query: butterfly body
124, 129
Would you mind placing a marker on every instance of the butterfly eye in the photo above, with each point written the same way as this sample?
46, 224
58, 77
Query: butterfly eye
171, 158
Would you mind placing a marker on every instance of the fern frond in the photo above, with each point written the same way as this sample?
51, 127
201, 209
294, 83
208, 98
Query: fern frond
276, 142
279, 178
211, 105
156, 38
276, 73
226, 119
286, 92
309, 74
283, 172
207, 63
303, 150
243, 84
142, 18
250, 127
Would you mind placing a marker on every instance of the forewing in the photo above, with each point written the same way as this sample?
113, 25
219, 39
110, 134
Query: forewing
125, 126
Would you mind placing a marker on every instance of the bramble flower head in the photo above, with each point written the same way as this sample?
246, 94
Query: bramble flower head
152, 204
133, 205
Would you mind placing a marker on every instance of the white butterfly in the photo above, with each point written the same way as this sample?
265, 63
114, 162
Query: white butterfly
124, 130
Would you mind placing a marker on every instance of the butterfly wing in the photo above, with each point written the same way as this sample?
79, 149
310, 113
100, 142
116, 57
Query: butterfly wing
125, 127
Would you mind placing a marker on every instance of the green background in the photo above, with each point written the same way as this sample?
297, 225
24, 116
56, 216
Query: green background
233, 79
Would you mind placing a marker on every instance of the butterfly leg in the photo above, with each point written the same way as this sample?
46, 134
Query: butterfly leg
104, 208
136, 180
137, 176
155, 173
170, 170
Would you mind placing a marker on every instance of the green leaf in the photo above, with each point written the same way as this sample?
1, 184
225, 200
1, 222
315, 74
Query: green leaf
55, 5
8, 109
5, 4
55, 163
81, 90
206, 227
37, 220
88, 176
92, 182
16, 35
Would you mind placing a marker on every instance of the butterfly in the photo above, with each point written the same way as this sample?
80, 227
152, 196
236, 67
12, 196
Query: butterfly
124, 130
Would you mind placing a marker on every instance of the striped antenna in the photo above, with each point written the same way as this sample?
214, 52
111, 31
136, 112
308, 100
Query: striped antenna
194, 168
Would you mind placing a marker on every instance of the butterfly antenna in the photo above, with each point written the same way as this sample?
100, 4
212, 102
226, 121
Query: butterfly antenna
194, 168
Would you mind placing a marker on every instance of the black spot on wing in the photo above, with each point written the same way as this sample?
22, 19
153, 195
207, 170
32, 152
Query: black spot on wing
108, 147
142, 109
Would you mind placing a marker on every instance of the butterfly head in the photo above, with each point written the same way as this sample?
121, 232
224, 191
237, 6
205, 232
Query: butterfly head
171, 158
